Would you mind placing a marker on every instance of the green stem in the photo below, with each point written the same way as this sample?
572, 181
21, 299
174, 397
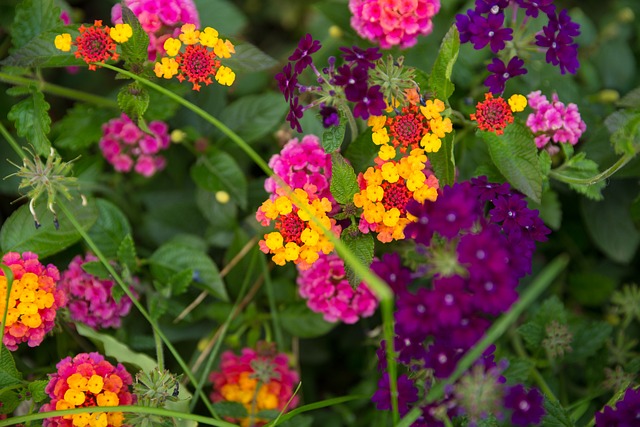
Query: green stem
594, 179
59, 90
159, 351
541, 282
130, 409
535, 374
272, 305
313, 406
12, 142
116, 277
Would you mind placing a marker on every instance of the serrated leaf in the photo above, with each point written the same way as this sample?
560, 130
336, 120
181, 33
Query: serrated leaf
114, 348
41, 52
172, 258
440, 77
444, 162
32, 121
111, 227
223, 15
37, 390
9, 375
361, 245
134, 50
624, 127
518, 370
333, 136
18, 233
158, 303
248, 59
127, 253
230, 409
133, 100
9, 401
556, 415
81, 127
32, 18
97, 269
179, 282
532, 333
344, 184
588, 338
254, 116
301, 322
218, 171
515, 155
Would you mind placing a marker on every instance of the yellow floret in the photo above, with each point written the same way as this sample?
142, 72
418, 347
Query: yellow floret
63, 42
121, 33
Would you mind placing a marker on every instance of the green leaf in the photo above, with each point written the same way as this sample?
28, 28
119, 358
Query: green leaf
114, 348
81, 127
179, 282
230, 409
588, 338
333, 136
96, 268
344, 184
37, 390
518, 370
19, 234
532, 333
223, 15
255, 116
248, 59
361, 151
579, 167
32, 18
631, 99
444, 162
591, 288
337, 12
41, 52
361, 245
550, 208
609, 222
172, 258
133, 100
624, 127
218, 171
298, 421
127, 253
301, 322
134, 50
440, 77
32, 121
159, 302
515, 155
556, 415
9, 401
110, 229
9, 375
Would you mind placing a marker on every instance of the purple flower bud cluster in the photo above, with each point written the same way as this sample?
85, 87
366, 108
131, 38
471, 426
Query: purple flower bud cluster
625, 414
474, 260
485, 25
337, 85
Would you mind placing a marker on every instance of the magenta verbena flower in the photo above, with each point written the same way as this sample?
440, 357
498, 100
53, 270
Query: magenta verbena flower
626, 412
527, 406
160, 19
302, 163
393, 23
554, 122
327, 291
128, 148
89, 298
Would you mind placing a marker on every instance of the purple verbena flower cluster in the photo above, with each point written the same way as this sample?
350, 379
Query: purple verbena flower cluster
625, 414
486, 25
474, 260
336, 84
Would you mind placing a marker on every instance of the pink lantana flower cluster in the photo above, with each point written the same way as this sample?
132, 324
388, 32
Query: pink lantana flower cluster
553, 121
259, 380
33, 301
325, 287
393, 22
127, 147
87, 381
90, 299
302, 164
160, 19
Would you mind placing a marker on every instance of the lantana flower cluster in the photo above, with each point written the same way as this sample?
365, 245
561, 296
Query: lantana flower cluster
34, 299
199, 61
413, 127
335, 85
160, 19
96, 43
554, 121
495, 114
393, 23
387, 188
474, 262
127, 147
486, 25
87, 381
260, 380
325, 287
89, 298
